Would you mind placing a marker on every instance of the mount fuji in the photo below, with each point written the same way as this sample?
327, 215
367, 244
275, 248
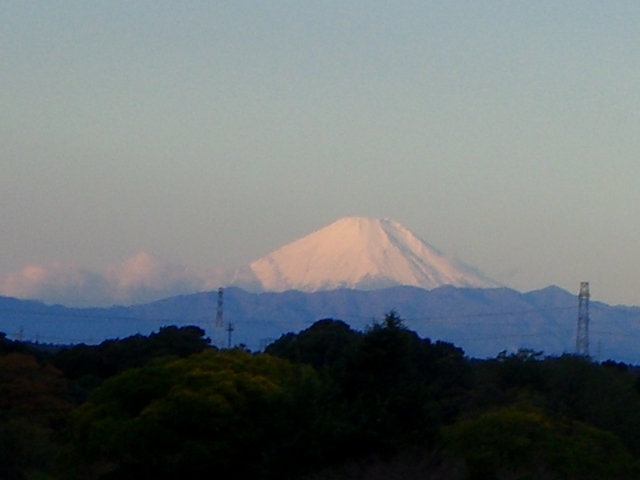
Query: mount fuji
361, 254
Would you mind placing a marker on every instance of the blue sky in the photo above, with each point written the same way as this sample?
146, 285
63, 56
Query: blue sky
209, 133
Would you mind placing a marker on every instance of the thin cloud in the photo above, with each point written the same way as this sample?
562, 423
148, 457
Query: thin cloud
139, 279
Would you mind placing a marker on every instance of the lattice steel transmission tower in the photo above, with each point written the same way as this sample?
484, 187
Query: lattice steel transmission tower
217, 338
219, 322
230, 329
582, 333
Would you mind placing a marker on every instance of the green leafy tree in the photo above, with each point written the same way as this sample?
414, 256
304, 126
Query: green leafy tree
238, 415
397, 388
522, 442
326, 344
594, 394
88, 365
33, 407
114, 356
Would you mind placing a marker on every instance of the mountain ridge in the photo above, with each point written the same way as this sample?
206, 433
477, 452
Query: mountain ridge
483, 322
358, 253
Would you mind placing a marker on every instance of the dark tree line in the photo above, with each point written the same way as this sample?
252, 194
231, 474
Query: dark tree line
328, 402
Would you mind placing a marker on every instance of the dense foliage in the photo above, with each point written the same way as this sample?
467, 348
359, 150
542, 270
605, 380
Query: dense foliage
239, 414
328, 402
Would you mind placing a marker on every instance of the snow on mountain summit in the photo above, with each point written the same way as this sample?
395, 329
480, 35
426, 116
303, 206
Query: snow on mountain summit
358, 253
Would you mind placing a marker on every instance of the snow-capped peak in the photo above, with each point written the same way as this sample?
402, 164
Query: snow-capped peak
358, 253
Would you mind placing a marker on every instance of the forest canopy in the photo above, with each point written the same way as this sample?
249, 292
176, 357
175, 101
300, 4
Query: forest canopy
322, 403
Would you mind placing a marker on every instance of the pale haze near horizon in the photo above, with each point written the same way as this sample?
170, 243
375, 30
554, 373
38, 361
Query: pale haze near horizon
208, 134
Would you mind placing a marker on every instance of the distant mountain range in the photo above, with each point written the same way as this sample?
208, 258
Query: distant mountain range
357, 270
361, 254
481, 321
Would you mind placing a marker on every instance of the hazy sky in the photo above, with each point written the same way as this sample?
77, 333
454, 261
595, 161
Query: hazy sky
209, 133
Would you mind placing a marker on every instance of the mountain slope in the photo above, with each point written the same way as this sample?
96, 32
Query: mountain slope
358, 253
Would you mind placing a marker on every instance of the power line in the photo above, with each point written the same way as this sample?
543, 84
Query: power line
490, 314
513, 335
86, 316
156, 319
290, 323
